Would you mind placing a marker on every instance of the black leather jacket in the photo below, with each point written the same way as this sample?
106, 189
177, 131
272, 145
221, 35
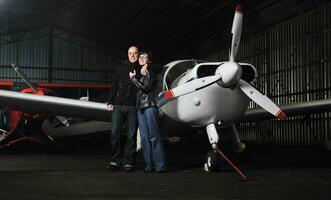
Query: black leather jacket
148, 90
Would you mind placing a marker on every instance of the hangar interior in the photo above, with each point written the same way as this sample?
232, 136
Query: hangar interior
82, 41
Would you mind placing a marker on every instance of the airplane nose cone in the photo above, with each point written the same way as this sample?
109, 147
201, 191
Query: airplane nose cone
230, 73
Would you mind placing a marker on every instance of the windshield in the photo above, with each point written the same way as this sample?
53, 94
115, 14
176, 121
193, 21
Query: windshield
172, 72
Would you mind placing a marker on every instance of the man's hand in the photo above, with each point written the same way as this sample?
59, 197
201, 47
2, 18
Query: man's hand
132, 74
110, 107
143, 70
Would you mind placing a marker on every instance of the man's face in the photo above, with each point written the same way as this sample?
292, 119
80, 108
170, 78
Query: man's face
133, 54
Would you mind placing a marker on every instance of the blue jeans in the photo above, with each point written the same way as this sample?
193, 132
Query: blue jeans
120, 115
151, 141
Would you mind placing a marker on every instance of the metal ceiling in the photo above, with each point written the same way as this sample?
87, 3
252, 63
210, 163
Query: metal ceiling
171, 29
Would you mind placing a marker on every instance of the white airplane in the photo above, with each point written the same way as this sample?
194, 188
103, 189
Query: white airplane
196, 93
211, 94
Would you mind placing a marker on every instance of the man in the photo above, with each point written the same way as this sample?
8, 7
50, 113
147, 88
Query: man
122, 104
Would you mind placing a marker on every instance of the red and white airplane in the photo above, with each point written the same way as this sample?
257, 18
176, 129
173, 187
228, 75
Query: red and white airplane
29, 125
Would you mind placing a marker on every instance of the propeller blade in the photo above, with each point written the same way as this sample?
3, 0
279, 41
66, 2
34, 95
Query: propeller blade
261, 100
236, 32
187, 88
24, 77
63, 120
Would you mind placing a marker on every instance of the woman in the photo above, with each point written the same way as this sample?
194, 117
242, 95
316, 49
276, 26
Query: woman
148, 117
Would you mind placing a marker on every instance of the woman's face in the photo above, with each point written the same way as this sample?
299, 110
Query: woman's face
143, 59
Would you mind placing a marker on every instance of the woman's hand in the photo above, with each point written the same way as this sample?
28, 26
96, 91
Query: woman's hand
132, 74
143, 70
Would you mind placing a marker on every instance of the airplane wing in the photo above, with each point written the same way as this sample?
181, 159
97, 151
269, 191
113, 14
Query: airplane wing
303, 108
50, 105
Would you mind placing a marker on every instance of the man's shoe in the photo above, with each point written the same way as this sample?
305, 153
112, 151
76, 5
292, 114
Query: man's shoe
113, 167
128, 168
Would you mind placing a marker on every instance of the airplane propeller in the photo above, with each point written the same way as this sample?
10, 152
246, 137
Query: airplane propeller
24, 77
62, 119
227, 75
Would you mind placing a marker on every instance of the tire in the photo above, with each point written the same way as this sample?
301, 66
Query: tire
212, 162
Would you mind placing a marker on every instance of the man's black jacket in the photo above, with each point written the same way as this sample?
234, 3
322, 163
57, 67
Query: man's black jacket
123, 91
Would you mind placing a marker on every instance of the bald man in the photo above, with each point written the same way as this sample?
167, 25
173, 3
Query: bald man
122, 104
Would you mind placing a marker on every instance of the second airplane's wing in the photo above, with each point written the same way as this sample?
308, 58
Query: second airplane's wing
303, 108
50, 105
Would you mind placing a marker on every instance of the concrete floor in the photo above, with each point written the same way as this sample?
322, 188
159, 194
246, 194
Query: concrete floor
274, 173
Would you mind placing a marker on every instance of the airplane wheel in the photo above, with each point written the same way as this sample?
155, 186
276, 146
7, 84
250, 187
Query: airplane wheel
213, 162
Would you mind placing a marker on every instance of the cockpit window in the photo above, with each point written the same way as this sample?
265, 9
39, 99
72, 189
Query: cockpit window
206, 70
177, 70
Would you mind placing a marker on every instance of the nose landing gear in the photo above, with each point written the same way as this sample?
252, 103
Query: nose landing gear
213, 159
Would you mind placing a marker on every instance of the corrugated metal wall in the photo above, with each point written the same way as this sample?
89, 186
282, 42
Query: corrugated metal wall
54, 56
293, 60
